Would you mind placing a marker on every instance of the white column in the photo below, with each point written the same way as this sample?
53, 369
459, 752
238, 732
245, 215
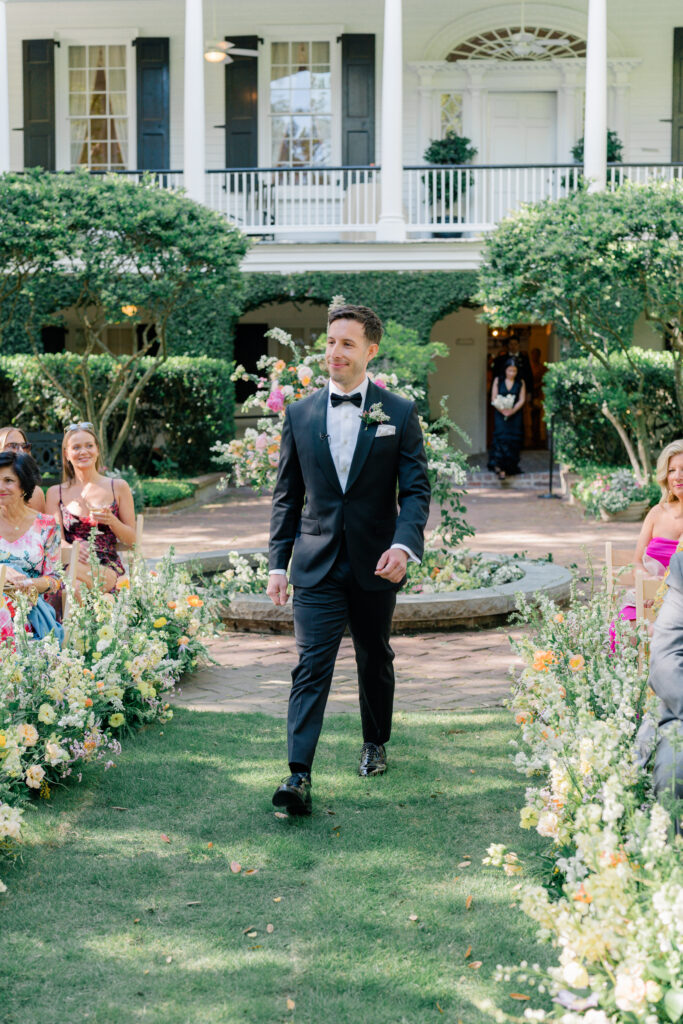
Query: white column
391, 226
4, 92
595, 130
194, 114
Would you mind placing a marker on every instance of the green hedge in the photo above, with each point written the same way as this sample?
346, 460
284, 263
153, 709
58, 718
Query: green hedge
415, 299
186, 406
158, 491
575, 389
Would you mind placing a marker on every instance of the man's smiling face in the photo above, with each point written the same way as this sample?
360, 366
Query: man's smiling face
348, 353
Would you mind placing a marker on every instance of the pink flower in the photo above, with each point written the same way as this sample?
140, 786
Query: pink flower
261, 442
276, 400
380, 383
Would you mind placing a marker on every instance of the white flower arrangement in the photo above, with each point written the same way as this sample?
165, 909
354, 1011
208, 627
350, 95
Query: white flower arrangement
501, 402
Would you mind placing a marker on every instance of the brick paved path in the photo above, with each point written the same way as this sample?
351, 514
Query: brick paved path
436, 671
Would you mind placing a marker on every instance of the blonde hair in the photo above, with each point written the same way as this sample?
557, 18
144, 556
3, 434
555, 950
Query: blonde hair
6, 431
662, 470
68, 475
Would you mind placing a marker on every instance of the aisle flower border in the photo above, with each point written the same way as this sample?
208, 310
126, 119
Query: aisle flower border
122, 656
612, 902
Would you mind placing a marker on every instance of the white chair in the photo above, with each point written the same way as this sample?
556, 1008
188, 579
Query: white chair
619, 566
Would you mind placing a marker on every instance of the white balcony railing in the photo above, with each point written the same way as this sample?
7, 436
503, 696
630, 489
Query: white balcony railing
272, 200
344, 202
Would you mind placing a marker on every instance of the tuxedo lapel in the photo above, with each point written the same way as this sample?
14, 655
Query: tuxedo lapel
366, 435
321, 444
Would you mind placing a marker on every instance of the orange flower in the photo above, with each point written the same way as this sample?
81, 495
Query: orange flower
171, 604
543, 660
562, 691
88, 702
100, 686
558, 618
88, 672
194, 601
183, 640
581, 896
123, 584
89, 744
577, 662
523, 717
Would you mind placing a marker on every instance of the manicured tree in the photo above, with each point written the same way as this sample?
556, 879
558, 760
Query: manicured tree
590, 264
113, 252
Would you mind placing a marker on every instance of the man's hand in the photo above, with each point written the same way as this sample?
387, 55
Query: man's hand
392, 565
277, 588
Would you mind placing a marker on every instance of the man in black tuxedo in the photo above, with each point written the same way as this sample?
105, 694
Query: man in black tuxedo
335, 513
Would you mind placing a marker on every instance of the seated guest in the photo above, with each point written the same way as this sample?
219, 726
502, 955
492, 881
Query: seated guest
29, 542
14, 440
87, 503
666, 679
662, 529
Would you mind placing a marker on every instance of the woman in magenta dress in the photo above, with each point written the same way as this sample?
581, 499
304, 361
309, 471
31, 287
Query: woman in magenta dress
662, 530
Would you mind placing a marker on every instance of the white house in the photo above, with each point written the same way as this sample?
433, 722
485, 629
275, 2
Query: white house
311, 137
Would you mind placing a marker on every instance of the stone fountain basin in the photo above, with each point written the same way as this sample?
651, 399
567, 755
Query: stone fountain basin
417, 613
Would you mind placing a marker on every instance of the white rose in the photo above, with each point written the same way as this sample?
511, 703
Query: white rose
575, 975
34, 776
547, 825
630, 992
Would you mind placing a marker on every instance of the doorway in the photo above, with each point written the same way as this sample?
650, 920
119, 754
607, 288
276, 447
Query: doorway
522, 129
533, 350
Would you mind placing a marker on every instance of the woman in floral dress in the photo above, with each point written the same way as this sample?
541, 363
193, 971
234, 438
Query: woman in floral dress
87, 503
14, 440
29, 542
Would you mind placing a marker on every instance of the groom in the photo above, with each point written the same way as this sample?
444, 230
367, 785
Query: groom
343, 465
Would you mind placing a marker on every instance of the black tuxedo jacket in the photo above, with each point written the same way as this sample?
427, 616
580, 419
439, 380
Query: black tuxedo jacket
311, 513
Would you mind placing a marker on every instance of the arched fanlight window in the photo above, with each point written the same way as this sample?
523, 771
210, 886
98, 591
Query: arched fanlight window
519, 43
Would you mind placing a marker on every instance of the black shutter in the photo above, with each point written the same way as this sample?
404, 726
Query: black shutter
241, 106
152, 103
358, 99
39, 103
677, 106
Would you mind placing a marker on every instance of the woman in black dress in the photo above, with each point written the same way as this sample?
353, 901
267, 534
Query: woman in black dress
508, 395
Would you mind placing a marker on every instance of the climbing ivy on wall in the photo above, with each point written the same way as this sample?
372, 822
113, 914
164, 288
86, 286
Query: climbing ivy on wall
415, 299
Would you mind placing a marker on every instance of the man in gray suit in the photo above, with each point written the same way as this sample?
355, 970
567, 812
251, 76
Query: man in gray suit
341, 473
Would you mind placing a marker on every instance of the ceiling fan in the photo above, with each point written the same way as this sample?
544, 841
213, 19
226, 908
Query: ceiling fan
524, 44
222, 51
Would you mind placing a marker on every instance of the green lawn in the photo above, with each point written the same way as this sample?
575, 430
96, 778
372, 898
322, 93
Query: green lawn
106, 922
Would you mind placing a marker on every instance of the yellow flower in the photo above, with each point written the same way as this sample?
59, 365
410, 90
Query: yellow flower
158, 623
3, 740
46, 714
123, 584
28, 734
116, 720
129, 310
577, 662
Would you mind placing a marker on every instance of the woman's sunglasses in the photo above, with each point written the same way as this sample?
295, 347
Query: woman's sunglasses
79, 426
19, 446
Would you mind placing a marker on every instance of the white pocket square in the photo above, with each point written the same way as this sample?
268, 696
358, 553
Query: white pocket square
385, 430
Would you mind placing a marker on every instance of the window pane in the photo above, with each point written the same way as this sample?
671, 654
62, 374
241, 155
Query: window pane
116, 155
117, 103
77, 81
321, 140
77, 56
118, 128
301, 101
99, 153
98, 128
279, 101
117, 81
79, 154
320, 53
97, 80
77, 103
98, 104
321, 101
117, 56
97, 56
300, 54
280, 134
279, 53
320, 79
279, 76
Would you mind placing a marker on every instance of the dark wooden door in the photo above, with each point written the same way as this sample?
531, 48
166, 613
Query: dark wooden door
39, 103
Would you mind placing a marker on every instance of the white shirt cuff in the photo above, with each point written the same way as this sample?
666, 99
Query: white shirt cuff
412, 557
277, 572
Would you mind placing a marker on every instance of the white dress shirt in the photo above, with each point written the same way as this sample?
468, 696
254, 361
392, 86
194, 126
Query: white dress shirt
343, 426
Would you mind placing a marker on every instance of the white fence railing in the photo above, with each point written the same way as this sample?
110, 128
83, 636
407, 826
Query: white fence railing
344, 202
288, 200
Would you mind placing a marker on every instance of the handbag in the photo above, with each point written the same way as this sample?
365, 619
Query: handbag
43, 620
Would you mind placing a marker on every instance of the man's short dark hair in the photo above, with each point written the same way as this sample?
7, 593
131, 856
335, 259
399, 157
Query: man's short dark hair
372, 325
25, 468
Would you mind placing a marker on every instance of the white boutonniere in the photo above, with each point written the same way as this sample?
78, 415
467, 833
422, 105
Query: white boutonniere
375, 414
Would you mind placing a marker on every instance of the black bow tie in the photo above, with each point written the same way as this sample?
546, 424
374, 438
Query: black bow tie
336, 399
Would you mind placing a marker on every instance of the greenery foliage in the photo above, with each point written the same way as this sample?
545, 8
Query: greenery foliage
415, 299
590, 264
158, 491
639, 390
109, 252
613, 491
181, 410
615, 148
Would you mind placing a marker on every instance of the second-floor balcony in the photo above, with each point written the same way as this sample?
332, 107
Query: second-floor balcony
343, 203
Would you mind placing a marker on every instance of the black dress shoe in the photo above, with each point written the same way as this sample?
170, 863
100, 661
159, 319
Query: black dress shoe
294, 794
373, 760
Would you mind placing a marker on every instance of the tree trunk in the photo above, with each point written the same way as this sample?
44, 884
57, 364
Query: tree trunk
639, 466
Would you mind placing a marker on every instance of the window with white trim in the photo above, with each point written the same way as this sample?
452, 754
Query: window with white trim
98, 107
300, 103
450, 108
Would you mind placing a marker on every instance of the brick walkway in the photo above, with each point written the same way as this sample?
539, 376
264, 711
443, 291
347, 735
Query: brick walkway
439, 671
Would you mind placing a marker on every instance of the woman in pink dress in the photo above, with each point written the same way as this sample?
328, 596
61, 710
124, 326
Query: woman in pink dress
663, 527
